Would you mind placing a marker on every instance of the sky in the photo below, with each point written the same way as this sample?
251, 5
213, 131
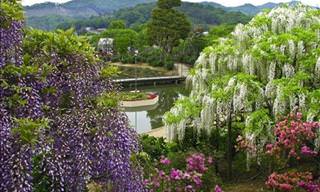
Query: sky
223, 2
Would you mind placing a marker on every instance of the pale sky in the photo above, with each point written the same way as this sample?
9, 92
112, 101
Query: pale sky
223, 2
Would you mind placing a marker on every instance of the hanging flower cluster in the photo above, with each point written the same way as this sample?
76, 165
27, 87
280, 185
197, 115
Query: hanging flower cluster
279, 49
53, 124
90, 140
21, 116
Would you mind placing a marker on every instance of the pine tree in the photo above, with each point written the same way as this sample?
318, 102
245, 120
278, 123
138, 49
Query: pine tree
167, 25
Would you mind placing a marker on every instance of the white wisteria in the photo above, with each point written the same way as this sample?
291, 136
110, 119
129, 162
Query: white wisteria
266, 64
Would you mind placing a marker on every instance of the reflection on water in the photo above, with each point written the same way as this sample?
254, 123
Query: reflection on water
145, 119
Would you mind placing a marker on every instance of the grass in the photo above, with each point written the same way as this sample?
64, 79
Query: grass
250, 186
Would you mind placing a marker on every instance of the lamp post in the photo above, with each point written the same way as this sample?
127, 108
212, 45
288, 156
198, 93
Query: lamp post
136, 52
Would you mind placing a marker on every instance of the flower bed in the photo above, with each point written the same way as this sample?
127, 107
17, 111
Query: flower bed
138, 99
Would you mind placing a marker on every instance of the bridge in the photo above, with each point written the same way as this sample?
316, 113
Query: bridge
131, 82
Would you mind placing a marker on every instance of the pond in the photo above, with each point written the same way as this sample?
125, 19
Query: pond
147, 118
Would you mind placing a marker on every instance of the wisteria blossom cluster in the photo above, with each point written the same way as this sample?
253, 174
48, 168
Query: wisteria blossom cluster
289, 181
167, 178
293, 136
21, 117
51, 123
268, 48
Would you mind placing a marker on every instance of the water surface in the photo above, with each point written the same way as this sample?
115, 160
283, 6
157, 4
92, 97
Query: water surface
147, 118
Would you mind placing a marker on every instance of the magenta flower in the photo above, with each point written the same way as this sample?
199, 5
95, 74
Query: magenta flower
176, 174
310, 186
189, 188
197, 180
196, 162
161, 173
307, 151
217, 189
165, 161
146, 182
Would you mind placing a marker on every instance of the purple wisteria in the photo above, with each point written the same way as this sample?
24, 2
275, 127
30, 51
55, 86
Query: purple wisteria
52, 130
19, 102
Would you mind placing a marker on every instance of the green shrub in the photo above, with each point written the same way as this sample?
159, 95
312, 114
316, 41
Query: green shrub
189, 50
154, 147
156, 57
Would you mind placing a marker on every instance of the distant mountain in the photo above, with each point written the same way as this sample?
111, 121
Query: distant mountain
200, 15
48, 15
76, 8
248, 8
268, 6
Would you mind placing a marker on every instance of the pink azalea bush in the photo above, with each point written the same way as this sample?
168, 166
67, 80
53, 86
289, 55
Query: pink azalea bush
288, 181
190, 179
292, 136
295, 139
310, 186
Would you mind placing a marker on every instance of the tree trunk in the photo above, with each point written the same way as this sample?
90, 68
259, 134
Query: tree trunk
217, 142
229, 158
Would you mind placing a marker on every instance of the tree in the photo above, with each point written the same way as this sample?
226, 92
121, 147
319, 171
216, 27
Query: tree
117, 24
278, 65
219, 31
167, 25
123, 38
189, 49
168, 4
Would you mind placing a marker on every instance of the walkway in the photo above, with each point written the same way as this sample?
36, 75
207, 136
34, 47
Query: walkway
160, 132
151, 79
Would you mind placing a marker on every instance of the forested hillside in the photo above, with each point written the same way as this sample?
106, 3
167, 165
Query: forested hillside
198, 14
81, 13
48, 15
77, 8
